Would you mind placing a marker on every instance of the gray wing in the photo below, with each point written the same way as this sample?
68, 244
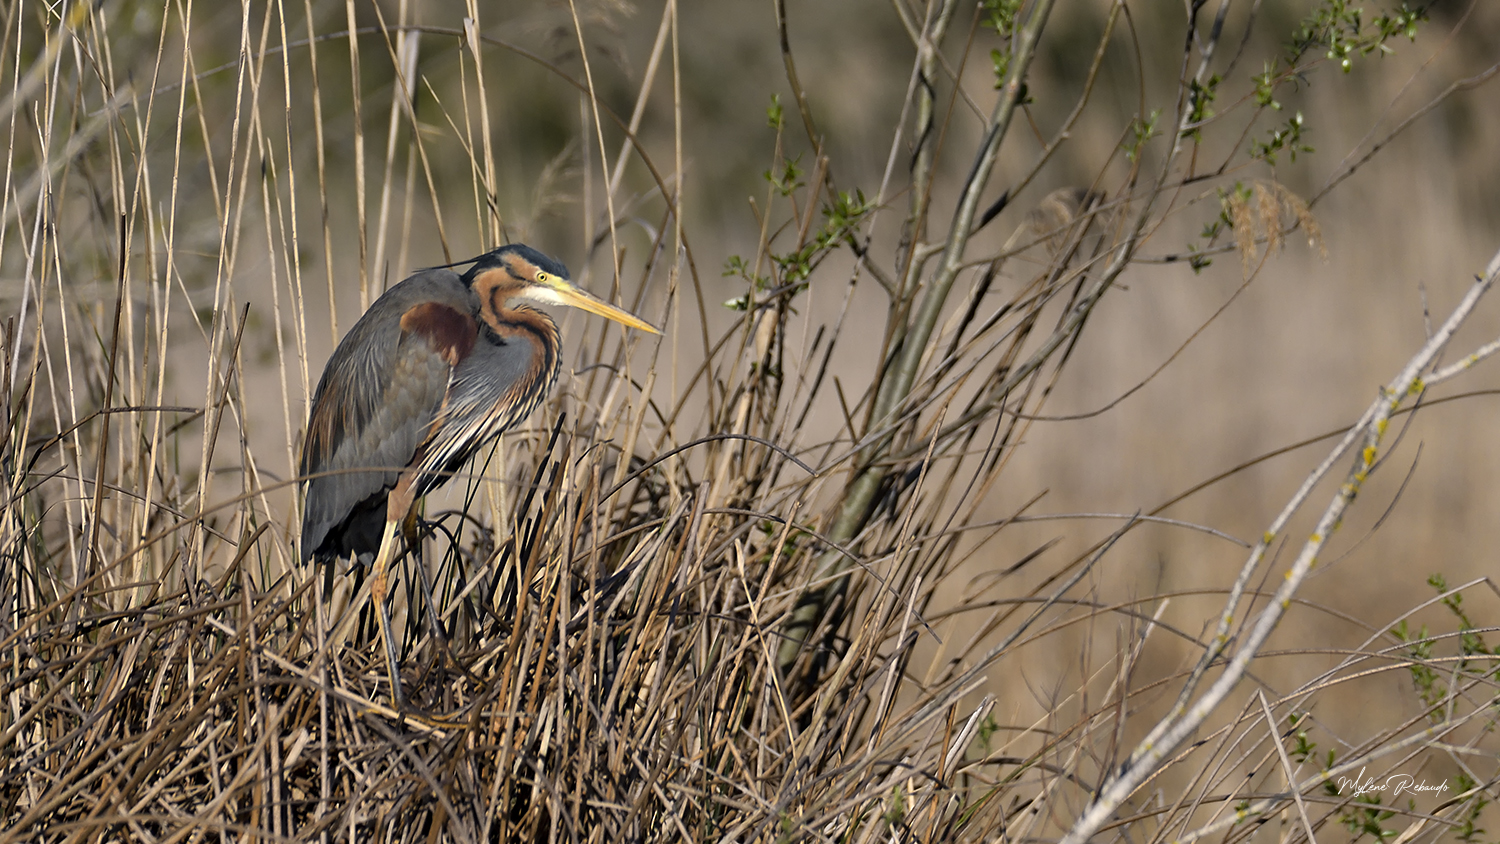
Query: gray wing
375, 404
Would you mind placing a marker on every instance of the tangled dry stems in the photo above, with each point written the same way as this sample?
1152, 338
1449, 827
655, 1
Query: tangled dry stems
614, 591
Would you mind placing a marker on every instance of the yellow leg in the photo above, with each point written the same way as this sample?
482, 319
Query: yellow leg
378, 591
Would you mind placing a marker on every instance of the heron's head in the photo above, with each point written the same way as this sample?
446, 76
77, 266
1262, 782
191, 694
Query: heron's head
517, 271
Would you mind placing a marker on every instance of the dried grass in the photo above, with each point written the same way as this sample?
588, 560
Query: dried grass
618, 585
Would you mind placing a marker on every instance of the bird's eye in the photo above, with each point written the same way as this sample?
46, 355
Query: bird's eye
543, 277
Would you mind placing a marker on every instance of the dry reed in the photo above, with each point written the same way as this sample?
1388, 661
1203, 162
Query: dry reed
718, 588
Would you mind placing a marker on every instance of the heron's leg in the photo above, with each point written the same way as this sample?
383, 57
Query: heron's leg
409, 526
412, 529
379, 588
398, 505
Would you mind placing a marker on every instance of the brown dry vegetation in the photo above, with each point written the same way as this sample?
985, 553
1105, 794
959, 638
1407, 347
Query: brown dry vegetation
748, 582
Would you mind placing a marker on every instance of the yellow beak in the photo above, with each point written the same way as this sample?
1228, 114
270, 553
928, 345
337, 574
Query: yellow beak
573, 297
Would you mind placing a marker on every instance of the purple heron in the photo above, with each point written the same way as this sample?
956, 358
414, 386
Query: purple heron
438, 367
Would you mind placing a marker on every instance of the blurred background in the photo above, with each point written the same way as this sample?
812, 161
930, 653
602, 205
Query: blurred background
260, 158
